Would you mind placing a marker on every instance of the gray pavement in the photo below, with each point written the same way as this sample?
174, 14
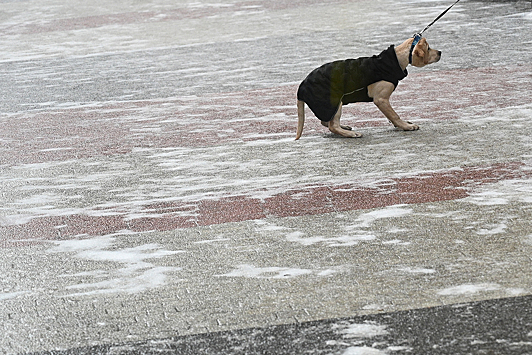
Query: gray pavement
153, 198
486, 327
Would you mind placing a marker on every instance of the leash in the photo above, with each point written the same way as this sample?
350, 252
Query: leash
437, 18
417, 36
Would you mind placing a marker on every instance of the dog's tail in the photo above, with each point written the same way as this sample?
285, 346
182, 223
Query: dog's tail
300, 118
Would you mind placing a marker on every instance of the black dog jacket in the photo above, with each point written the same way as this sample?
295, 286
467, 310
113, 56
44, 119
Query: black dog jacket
347, 81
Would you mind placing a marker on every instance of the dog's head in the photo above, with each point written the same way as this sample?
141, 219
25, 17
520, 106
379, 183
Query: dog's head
423, 54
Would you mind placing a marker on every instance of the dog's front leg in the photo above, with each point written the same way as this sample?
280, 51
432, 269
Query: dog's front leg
389, 112
381, 92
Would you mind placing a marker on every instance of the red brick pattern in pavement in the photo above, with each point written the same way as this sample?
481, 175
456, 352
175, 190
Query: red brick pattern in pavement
115, 128
428, 187
83, 132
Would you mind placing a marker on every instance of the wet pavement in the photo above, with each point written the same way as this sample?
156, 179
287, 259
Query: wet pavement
487, 327
153, 198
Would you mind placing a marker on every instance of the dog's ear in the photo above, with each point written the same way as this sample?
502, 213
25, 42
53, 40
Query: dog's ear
421, 51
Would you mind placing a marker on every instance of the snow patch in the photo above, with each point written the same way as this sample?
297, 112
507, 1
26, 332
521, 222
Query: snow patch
343, 240
134, 275
469, 289
274, 272
418, 270
488, 198
251, 271
367, 219
362, 350
358, 232
364, 330
399, 348
527, 16
212, 241
11, 295
502, 193
498, 229
373, 307
396, 242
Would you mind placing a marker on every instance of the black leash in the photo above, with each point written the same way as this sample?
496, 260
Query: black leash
417, 36
437, 18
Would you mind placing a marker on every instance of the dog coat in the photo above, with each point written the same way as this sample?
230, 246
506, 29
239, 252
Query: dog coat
347, 81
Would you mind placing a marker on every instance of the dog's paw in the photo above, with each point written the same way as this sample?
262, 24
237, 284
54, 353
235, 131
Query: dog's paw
410, 127
356, 135
405, 125
348, 134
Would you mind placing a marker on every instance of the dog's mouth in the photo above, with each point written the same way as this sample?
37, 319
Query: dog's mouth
438, 57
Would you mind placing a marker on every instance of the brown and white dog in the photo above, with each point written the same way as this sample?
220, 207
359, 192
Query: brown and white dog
344, 82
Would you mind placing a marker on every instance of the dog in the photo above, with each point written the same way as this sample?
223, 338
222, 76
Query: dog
365, 79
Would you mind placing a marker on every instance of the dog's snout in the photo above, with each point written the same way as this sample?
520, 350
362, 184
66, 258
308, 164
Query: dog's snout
439, 53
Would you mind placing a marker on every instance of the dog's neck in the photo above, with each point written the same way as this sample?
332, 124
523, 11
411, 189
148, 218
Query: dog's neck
403, 51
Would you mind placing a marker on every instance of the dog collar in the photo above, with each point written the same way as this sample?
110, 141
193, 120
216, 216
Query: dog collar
417, 38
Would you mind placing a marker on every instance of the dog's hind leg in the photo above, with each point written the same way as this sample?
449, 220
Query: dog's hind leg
300, 118
326, 124
344, 131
